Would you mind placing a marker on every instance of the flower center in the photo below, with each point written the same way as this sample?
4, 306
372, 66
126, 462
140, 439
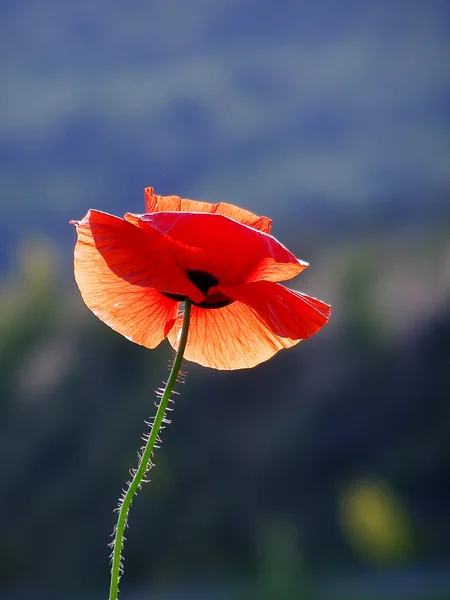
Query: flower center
204, 282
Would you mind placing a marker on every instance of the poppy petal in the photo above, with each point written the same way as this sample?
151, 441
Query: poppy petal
231, 251
154, 203
233, 337
140, 313
142, 258
289, 314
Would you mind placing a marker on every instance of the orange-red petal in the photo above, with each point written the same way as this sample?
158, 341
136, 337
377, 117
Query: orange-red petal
227, 249
288, 314
142, 258
233, 337
155, 203
140, 313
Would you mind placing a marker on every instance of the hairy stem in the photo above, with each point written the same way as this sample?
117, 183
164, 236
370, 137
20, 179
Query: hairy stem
145, 458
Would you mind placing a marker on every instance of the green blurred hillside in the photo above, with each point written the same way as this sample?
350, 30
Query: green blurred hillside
368, 398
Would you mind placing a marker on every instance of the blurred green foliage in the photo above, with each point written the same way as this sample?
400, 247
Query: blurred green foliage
375, 522
331, 458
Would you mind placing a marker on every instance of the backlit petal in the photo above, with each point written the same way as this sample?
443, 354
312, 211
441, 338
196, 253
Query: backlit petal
287, 313
144, 258
138, 312
233, 337
231, 251
154, 203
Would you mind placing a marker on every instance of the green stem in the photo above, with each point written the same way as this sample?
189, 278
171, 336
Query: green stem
139, 474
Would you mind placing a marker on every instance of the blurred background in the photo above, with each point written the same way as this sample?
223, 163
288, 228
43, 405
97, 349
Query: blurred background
323, 474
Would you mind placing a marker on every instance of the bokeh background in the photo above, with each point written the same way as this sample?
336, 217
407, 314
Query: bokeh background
321, 475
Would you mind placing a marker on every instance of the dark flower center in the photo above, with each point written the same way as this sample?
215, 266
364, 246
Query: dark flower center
204, 282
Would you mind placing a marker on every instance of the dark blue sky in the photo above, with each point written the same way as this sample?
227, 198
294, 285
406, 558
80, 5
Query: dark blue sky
266, 104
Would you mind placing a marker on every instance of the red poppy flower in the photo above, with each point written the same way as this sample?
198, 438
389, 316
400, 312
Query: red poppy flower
134, 272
